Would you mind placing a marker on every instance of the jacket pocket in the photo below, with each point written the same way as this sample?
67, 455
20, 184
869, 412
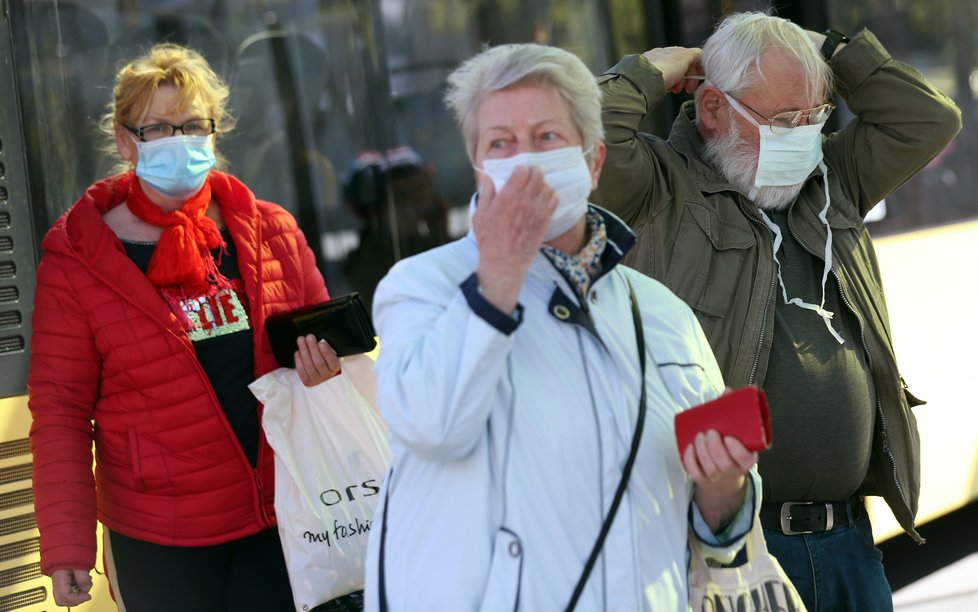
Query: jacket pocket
708, 258
842, 214
503, 586
148, 467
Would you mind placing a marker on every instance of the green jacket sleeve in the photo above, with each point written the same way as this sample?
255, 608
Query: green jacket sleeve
901, 122
629, 90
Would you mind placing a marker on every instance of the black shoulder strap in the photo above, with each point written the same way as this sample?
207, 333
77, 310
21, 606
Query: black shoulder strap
381, 579
627, 470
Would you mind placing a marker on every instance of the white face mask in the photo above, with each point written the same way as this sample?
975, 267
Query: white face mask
784, 159
565, 170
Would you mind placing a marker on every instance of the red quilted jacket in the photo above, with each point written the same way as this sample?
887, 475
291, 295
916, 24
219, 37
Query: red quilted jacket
110, 363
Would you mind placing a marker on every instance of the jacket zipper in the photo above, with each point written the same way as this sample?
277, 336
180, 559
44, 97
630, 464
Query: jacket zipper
770, 292
869, 360
583, 303
597, 423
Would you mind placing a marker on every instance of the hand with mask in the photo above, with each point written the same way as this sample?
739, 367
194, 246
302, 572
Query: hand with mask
510, 227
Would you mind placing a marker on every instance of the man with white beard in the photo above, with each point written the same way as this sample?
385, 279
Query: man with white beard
755, 218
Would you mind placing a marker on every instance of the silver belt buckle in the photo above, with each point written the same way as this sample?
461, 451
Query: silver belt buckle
786, 518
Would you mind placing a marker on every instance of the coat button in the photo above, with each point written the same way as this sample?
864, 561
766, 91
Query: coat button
561, 312
594, 297
515, 550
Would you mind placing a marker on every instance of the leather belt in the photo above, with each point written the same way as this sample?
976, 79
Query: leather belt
795, 518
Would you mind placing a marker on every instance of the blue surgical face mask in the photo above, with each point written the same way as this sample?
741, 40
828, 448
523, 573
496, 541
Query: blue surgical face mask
177, 166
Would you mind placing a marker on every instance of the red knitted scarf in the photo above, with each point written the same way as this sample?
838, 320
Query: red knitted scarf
182, 265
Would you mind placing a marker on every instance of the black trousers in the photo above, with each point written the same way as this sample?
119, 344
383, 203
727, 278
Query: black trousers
246, 575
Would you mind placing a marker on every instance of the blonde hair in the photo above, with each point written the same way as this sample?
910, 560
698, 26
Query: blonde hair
507, 66
166, 64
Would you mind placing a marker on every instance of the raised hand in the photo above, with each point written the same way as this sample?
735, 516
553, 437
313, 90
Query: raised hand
676, 64
509, 227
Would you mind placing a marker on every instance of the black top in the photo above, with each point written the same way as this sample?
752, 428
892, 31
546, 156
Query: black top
224, 341
820, 392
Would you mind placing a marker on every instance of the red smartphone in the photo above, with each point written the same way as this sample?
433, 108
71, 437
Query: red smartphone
742, 413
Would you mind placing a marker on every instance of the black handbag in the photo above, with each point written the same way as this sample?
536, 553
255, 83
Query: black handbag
343, 322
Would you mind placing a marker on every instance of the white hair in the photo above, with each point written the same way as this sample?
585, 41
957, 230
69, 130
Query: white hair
732, 54
508, 66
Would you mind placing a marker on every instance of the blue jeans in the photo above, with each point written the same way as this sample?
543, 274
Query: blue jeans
838, 570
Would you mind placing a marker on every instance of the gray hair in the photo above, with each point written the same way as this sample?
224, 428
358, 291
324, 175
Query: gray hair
732, 54
508, 66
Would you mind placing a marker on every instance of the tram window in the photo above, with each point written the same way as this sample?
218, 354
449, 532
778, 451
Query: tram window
426, 40
938, 39
306, 85
313, 85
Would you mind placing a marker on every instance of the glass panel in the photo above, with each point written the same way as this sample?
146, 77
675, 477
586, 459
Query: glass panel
938, 38
307, 90
313, 85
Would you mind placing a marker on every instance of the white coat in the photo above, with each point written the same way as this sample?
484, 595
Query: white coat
508, 447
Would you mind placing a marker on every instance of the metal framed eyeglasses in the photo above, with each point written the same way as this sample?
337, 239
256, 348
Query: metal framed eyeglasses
789, 120
155, 131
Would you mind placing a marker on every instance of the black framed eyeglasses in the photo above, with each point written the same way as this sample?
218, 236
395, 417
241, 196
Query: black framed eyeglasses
789, 120
155, 131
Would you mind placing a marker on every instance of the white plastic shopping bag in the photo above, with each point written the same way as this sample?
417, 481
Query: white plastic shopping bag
330, 457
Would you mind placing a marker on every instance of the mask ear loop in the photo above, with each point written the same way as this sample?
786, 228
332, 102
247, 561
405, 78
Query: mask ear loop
824, 218
819, 309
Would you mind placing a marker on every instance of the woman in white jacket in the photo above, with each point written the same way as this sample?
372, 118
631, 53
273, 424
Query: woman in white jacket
511, 381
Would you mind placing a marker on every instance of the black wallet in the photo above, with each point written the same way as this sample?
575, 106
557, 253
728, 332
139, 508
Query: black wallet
343, 322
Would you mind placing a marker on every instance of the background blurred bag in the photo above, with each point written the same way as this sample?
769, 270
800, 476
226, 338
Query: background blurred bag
759, 584
330, 457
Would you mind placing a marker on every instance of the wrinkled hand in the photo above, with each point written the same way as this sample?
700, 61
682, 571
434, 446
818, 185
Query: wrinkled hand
676, 63
718, 467
71, 587
315, 361
509, 227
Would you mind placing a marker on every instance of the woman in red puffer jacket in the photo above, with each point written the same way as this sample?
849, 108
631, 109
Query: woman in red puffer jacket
151, 299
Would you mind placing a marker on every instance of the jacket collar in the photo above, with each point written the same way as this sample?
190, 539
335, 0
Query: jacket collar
621, 239
685, 138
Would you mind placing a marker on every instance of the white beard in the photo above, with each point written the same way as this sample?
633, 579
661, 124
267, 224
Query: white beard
737, 163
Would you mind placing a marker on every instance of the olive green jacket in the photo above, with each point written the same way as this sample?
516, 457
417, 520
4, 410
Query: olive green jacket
705, 240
